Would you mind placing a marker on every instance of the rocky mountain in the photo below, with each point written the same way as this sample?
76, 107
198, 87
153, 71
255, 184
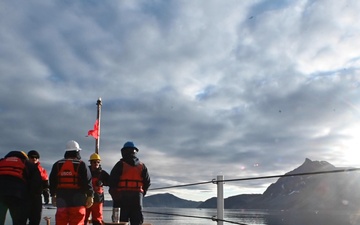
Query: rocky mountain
331, 191
314, 191
308, 192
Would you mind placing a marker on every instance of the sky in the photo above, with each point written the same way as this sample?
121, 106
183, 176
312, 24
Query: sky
203, 88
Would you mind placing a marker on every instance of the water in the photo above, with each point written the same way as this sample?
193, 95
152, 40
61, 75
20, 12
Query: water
250, 217
253, 217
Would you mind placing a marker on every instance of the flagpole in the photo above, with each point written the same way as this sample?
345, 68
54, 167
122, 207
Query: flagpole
97, 141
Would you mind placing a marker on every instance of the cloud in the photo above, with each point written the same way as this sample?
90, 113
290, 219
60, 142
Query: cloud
242, 89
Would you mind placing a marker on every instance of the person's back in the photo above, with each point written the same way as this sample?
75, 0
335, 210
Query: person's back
70, 187
129, 181
36, 200
19, 179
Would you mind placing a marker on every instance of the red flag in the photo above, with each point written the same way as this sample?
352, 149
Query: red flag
95, 132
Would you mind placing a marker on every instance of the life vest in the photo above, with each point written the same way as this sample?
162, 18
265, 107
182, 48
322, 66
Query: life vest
97, 189
12, 166
68, 174
130, 179
95, 177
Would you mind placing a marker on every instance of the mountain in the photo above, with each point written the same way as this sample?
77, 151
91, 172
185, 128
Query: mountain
314, 191
164, 200
244, 201
168, 200
330, 191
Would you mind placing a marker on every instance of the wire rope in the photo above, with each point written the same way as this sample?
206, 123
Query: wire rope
257, 178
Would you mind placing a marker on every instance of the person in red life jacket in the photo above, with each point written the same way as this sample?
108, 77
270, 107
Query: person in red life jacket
128, 183
71, 187
99, 179
36, 205
19, 180
34, 157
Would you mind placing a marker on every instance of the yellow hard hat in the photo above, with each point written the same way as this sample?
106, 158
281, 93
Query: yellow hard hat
22, 152
94, 156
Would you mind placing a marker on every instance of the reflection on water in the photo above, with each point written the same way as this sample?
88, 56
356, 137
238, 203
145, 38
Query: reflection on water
258, 217
294, 217
313, 218
250, 217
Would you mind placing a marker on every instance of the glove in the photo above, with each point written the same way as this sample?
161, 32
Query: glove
89, 201
53, 200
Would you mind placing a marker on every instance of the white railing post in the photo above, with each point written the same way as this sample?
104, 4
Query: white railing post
220, 199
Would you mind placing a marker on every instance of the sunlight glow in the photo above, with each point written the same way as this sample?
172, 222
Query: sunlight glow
352, 146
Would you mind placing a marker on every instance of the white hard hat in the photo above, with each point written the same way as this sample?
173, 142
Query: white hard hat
72, 146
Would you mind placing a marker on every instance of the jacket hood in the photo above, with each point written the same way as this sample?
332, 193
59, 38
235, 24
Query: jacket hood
131, 159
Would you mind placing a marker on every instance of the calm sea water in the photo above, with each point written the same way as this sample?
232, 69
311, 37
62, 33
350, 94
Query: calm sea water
250, 217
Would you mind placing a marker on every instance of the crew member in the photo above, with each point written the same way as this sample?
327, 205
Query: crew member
19, 179
129, 182
36, 200
99, 179
70, 187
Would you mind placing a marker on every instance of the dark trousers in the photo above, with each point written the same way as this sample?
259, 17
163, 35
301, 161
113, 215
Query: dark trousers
16, 208
134, 214
35, 209
130, 203
46, 196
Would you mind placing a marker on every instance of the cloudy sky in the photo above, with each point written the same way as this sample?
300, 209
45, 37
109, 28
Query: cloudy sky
204, 88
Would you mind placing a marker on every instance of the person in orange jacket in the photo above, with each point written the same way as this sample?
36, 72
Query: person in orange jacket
71, 187
99, 179
19, 179
36, 209
129, 181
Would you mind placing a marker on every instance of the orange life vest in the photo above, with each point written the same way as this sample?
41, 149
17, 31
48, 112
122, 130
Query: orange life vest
12, 166
130, 179
97, 189
68, 174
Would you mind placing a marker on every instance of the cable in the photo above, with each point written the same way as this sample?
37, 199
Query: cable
228, 221
257, 178
175, 214
292, 175
182, 185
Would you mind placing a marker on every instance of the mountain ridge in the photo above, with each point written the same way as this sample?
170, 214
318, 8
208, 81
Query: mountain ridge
307, 192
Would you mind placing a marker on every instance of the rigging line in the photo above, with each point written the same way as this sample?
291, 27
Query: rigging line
175, 214
292, 175
197, 217
183, 185
263, 177
228, 221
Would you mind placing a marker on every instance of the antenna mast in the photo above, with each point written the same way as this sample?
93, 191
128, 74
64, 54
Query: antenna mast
97, 141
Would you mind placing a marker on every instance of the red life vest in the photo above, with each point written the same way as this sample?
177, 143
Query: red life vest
130, 179
68, 174
12, 166
97, 189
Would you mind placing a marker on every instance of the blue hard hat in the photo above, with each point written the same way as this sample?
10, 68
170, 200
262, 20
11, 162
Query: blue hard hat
130, 144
